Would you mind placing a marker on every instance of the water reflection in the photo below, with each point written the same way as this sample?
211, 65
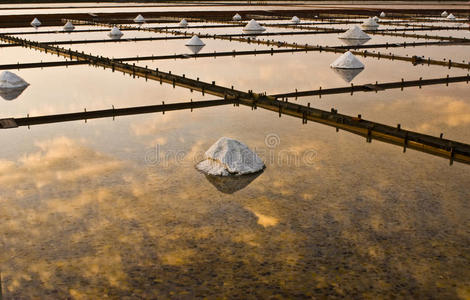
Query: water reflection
347, 74
232, 184
195, 49
12, 93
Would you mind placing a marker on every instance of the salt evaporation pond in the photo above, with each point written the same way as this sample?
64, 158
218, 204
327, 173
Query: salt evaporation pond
116, 208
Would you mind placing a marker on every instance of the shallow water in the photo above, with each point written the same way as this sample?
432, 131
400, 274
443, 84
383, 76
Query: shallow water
115, 208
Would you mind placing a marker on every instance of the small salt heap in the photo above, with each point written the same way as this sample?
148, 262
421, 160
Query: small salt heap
139, 19
195, 44
383, 15
354, 33
376, 19
444, 14
451, 17
253, 27
230, 157
69, 26
370, 24
115, 33
347, 61
183, 23
35, 22
237, 17
295, 20
11, 85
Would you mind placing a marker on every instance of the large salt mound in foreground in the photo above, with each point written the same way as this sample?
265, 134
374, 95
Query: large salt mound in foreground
230, 157
9, 80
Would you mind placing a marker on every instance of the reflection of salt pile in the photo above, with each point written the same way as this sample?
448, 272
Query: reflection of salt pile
354, 33
347, 74
444, 14
295, 20
370, 24
195, 44
347, 61
231, 184
183, 23
253, 27
230, 157
451, 17
11, 85
237, 17
139, 19
35, 22
383, 15
69, 26
115, 33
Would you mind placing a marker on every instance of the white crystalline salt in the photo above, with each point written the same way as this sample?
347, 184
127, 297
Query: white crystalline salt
295, 20
230, 157
370, 23
195, 41
254, 26
115, 32
347, 61
183, 23
237, 17
139, 19
355, 33
9, 80
69, 26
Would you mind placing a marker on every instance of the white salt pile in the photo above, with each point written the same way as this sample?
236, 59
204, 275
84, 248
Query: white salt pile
354, 33
383, 15
451, 17
376, 19
139, 19
11, 85
195, 41
254, 27
183, 23
370, 24
237, 17
115, 33
230, 157
195, 44
444, 14
347, 61
295, 20
69, 26
35, 22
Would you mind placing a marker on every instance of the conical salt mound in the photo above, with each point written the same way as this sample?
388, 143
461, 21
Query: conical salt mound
11, 85
230, 157
370, 23
115, 32
444, 14
253, 26
183, 23
354, 33
295, 20
383, 15
376, 19
139, 19
451, 17
69, 26
35, 22
237, 17
195, 41
9, 80
347, 61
